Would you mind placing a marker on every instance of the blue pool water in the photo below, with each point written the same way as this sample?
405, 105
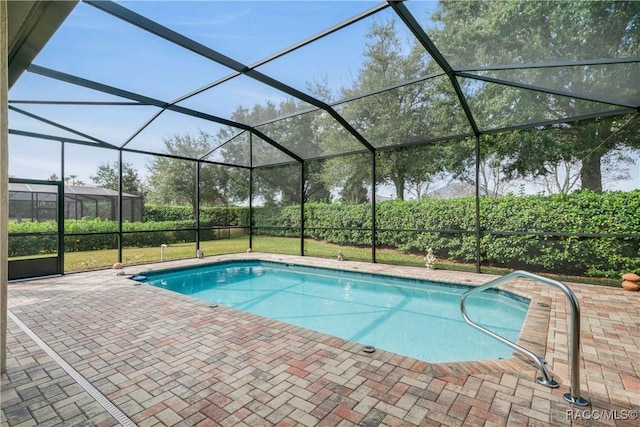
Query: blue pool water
410, 317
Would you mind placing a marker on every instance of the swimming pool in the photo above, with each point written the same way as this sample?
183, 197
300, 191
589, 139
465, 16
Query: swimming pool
410, 317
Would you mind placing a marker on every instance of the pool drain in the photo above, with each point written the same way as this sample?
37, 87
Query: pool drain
368, 349
543, 304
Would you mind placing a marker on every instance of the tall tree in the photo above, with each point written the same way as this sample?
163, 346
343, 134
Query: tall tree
107, 176
402, 114
173, 181
277, 184
350, 176
495, 32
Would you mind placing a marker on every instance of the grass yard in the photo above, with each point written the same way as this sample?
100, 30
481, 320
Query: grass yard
91, 260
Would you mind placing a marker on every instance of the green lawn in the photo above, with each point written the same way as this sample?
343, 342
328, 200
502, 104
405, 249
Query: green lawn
79, 261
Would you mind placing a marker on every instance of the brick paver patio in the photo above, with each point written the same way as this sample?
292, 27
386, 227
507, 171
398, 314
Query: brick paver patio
164, 359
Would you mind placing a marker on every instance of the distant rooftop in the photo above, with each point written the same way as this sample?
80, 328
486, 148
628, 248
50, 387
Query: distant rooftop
88, 192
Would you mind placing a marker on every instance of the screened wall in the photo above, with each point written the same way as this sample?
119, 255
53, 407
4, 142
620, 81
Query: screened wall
500, 135
33, 202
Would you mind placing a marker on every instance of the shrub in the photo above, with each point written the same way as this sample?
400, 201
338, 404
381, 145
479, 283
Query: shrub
564, 234
578, 234
209, 215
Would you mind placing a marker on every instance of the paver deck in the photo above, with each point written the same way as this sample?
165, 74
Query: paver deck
164, 359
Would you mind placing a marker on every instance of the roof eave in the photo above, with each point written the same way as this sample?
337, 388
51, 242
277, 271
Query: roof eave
31, 26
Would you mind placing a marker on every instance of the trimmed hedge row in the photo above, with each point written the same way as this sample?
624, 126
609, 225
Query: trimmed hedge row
512, 229
139, 234
143, 234
227, 215
582, 213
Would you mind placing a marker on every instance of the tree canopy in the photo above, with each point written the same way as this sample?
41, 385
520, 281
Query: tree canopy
108, 176
172, 180
537, 32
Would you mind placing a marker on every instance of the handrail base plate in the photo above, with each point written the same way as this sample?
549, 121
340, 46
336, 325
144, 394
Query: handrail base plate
580, 401
547, 383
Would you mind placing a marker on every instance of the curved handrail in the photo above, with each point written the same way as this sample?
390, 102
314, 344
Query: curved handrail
574, 349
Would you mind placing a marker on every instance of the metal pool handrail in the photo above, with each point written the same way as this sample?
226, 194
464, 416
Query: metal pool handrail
574, 350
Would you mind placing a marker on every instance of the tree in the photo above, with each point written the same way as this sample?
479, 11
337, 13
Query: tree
350, 176
107, 176
409, 113
561, 157
72, 178
173, 181
562, 178
400, 115
277, 184
489, 32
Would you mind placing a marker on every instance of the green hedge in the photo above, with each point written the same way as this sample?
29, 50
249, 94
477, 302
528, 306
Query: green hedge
32, 245
209, 215
508, 226
138, 234
581, 213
